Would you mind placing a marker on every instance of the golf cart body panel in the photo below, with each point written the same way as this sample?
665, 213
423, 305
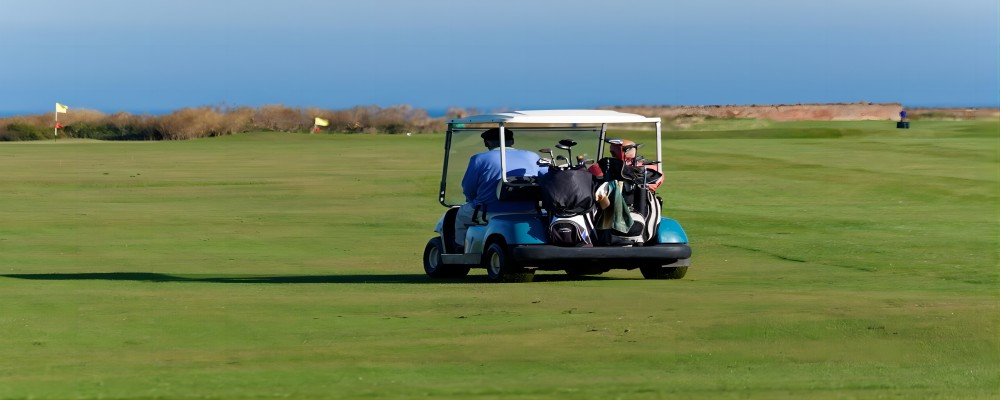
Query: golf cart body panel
515, 229
514, 244
670, 231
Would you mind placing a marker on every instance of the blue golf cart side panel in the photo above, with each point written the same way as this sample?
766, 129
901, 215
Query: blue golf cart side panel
474, 238
517, 228
670, 232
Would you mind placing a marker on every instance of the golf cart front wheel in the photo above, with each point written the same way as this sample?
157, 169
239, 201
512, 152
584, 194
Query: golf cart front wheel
660, 272
435, 268
501, 267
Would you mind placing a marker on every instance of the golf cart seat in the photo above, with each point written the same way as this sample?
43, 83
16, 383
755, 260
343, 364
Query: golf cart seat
519, 188
523, 189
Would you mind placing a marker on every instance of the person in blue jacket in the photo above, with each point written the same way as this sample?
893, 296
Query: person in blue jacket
484, 174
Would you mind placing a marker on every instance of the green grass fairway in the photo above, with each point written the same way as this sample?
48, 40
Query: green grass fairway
833, 260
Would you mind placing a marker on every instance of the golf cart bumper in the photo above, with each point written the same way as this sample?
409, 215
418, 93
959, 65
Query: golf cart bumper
668, 253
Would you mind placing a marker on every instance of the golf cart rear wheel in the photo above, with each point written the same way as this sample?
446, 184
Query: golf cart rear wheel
433, 265
501, 267
660, 272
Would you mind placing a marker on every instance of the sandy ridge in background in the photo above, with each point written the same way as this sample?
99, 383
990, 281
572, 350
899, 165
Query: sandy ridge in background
817, 112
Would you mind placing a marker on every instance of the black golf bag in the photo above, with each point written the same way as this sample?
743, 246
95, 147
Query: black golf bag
568, 196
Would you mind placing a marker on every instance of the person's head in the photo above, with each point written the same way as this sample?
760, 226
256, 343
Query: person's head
491, 137
616, 150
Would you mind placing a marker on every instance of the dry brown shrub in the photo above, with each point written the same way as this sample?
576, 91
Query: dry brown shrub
77, 116
344, 121
361, 118
26, 127
48, 119
392, 120
419, 121
376, 119
198, 122
33, 120
190, 123
238, 120
123, 119
145, 127
280, 118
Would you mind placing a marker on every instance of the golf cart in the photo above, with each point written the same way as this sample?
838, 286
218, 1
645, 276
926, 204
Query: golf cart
614, 213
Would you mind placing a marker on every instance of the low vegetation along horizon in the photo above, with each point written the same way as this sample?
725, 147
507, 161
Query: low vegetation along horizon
198, 122
831, 260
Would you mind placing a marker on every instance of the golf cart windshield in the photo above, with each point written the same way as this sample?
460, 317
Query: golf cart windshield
553, 142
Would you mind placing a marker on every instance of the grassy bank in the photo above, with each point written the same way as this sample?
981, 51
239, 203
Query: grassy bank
832, 260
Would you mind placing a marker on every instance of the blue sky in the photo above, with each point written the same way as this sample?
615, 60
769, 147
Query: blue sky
162, 55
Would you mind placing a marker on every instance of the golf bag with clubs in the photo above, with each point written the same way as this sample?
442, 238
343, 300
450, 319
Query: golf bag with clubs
632, 216
568, 196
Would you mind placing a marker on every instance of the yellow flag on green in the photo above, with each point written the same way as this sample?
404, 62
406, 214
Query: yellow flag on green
61, 108
322, 122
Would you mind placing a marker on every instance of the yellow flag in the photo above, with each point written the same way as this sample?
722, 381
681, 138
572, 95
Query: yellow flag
61, 108
322, 122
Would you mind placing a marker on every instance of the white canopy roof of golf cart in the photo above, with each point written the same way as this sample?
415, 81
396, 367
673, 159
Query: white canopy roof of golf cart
556, 117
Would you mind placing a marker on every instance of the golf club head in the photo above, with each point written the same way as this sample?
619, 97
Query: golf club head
563, 159
567, 142
543, 162
545, 150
